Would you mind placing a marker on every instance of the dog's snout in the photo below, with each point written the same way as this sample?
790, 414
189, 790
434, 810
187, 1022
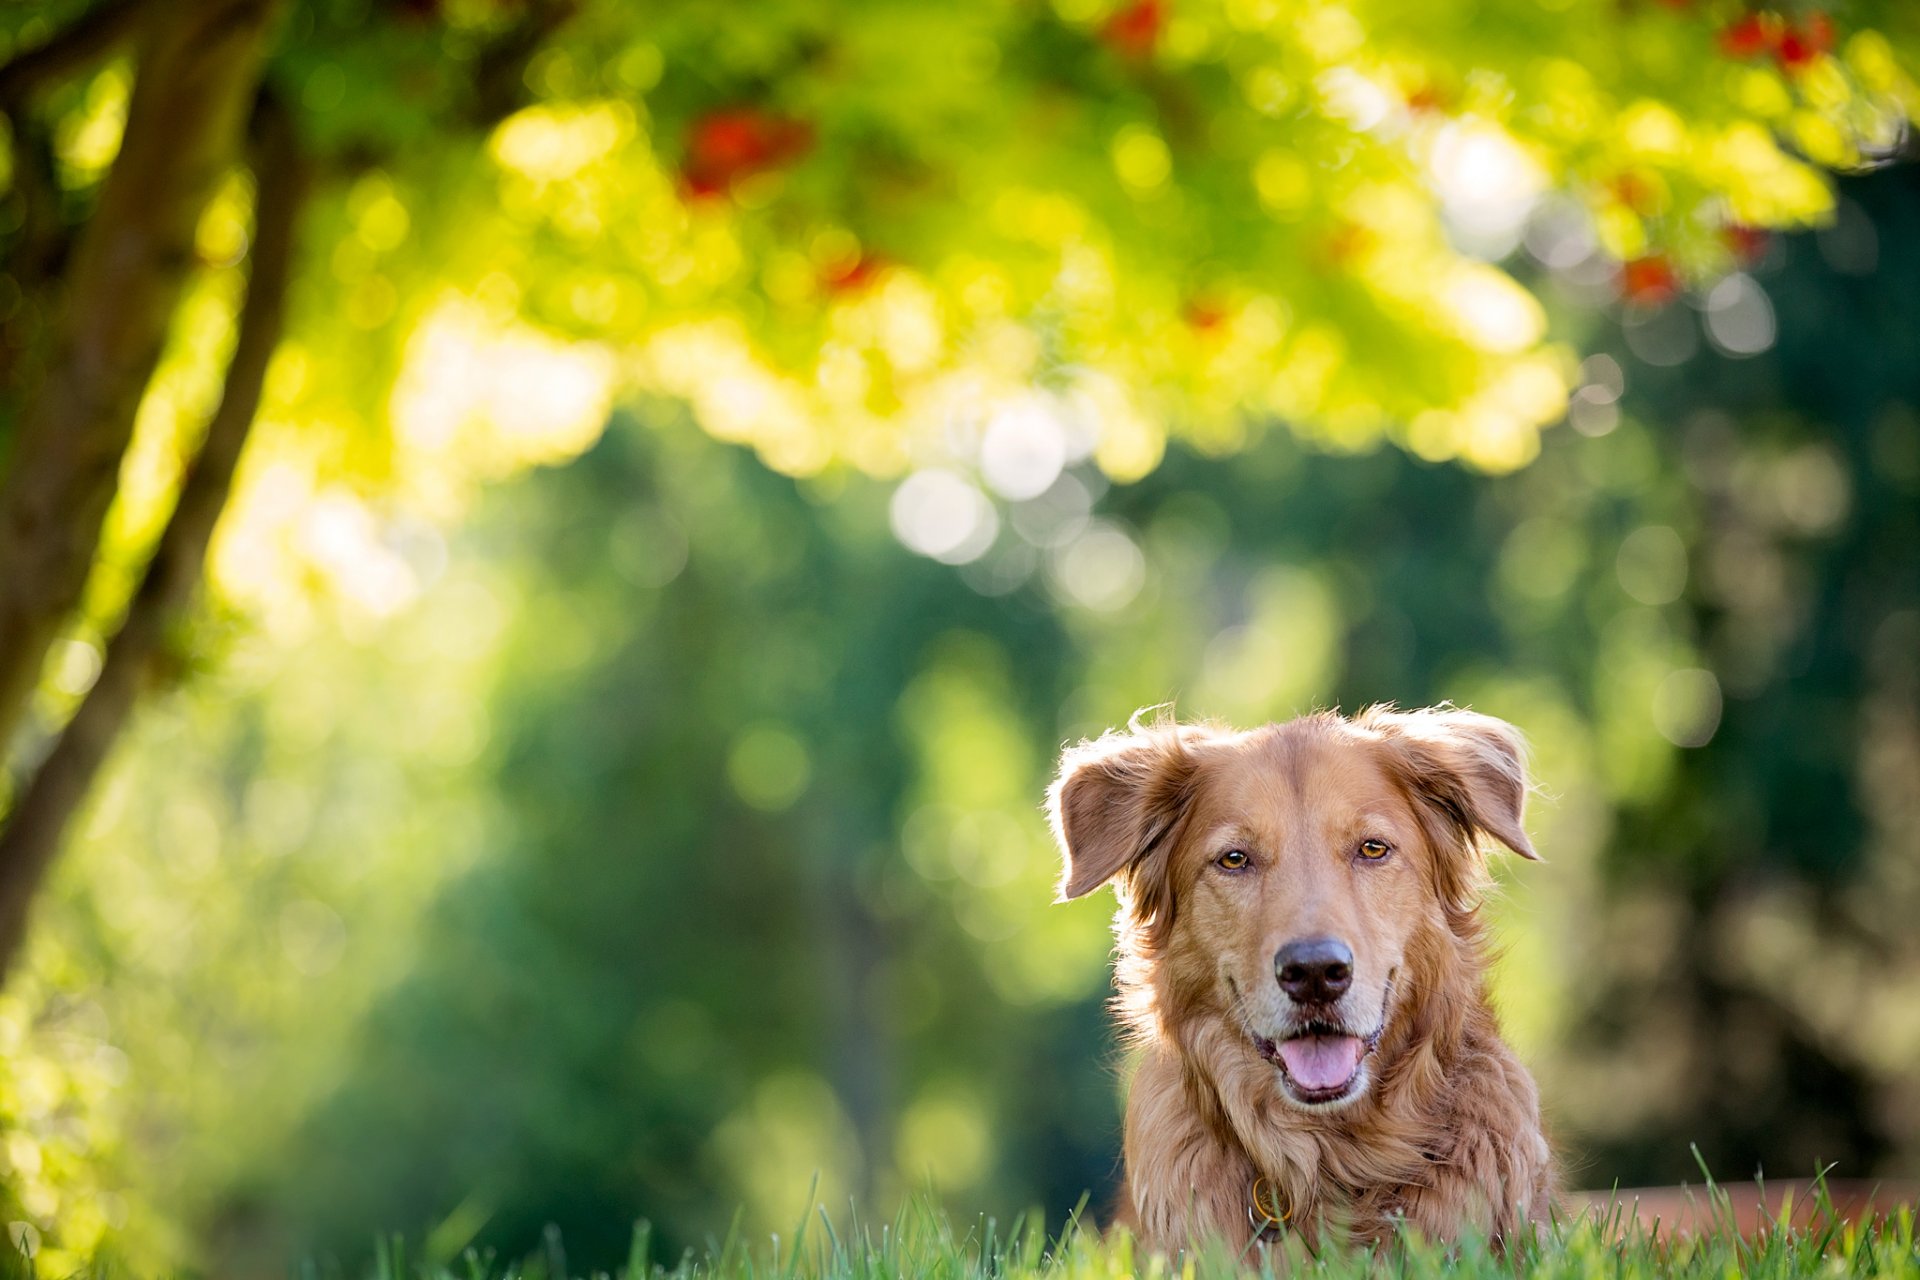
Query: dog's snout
1314, 970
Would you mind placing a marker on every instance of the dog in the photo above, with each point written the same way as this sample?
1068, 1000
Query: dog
1301, 966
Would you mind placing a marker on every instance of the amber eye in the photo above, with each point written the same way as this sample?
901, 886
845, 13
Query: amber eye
1232, 860
1374, 850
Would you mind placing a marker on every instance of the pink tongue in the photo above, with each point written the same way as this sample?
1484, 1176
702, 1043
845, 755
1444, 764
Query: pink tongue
1321, 1062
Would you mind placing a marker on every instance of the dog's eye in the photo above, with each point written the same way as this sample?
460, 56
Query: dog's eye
1374, 850
1232, 860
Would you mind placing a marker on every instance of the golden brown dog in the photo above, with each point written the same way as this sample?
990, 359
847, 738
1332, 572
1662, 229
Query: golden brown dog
1302, 967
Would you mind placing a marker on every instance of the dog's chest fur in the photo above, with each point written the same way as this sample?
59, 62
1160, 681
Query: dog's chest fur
1205, 1121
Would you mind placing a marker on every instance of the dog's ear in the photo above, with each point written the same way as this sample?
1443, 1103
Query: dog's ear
1470, 770
1117, 801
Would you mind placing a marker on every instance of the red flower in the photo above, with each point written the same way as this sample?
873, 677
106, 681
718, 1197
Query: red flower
729, 144
1635, 191
1748, 244
1649, 281
1346, 242
1750, 37
700, 186
1800, 45
853, 275
1794, 50
1204, 314
1135, 29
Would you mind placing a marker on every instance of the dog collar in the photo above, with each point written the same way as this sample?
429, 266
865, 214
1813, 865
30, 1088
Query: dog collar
1267, 1212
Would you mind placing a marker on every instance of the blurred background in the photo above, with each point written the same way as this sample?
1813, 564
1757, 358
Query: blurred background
711, 465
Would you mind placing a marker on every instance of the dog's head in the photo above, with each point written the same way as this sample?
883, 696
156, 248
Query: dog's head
1297, 879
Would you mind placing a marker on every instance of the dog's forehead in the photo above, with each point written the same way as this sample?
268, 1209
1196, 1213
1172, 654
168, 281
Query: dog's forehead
1313, 765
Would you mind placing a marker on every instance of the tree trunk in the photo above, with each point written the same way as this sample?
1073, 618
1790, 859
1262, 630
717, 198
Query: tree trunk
198, 67
33, 831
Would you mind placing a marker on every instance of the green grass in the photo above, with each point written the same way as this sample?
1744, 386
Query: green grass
922, 1243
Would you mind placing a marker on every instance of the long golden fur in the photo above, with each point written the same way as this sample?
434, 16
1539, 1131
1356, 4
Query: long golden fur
1225, 847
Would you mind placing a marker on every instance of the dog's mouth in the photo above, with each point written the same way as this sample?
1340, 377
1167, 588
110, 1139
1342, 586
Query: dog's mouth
1321, 1062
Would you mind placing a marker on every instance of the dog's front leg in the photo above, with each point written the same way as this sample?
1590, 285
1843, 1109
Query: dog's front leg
1497, 1176
1488, 1184
1186, 1183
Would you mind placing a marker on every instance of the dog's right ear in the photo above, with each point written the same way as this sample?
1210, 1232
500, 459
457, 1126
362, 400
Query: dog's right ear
1116, 802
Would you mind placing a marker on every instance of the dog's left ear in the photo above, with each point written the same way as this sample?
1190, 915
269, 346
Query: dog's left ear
1116, 802
1470, 768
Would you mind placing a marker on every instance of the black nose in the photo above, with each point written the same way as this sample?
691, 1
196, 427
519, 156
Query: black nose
1314, 970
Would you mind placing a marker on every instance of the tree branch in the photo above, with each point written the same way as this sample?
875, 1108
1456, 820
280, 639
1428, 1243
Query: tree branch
30, 839
36, 182
76, 47
500, 78
38, 250
33, 833
41, 245
499, 85
198, 71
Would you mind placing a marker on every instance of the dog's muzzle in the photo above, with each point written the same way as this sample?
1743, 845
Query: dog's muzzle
1321, 1061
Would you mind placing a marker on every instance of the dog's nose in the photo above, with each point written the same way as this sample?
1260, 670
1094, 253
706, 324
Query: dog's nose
1314, 970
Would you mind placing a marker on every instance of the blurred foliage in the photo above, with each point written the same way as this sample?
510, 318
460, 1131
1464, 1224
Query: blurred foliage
681, 841
853, 236
872, 236
640, 836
